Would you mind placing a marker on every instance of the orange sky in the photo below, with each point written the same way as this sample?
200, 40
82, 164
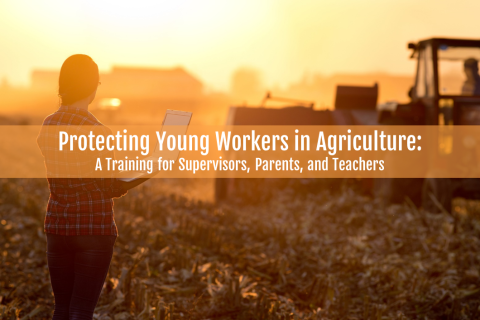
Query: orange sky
285, 39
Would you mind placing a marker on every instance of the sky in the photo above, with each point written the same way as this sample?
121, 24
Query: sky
284, 39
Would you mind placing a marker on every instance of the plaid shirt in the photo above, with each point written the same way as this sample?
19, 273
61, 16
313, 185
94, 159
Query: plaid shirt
77, 206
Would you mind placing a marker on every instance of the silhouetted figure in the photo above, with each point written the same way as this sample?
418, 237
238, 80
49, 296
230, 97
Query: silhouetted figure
472, 85
79, 223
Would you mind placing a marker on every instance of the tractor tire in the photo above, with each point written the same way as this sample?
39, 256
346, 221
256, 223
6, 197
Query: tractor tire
441, 190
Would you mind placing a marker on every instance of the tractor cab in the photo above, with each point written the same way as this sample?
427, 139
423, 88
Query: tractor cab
447, 85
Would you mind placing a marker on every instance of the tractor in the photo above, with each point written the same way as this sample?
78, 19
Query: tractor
446, 92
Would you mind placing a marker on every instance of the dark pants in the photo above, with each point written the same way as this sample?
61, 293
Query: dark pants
78, 267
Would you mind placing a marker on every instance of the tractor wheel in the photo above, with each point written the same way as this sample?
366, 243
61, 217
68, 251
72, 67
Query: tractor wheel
441, 191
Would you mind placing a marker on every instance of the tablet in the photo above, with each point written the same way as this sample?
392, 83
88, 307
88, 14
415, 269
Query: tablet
172, 118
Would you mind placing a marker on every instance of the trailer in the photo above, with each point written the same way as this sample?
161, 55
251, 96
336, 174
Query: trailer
353, 106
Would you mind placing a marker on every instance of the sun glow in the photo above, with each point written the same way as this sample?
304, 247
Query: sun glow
109, 103
283, 39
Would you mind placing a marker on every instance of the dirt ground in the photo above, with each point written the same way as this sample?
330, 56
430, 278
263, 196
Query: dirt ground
298, 255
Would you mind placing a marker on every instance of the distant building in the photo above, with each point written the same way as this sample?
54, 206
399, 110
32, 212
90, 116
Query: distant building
168, 84
128, 82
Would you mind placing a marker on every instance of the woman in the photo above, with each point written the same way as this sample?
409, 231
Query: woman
79, 223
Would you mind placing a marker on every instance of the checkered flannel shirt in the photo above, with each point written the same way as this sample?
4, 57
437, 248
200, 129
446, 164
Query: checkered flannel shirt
77, 206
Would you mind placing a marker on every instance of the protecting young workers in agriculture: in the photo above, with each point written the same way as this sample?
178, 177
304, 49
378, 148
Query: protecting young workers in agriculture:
226, 141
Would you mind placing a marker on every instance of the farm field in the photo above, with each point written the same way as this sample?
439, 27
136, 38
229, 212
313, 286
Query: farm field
299, 255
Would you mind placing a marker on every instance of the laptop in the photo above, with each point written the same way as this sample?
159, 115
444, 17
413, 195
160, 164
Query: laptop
172, 118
